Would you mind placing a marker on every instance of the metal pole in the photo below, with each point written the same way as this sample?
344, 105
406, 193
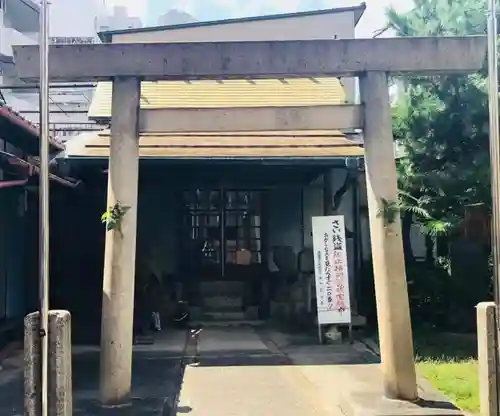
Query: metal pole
222, 245
356, 239
58, 112
27, 86
44, 199
494, 154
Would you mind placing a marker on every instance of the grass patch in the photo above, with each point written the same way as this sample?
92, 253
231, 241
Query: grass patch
456, 380
449, 363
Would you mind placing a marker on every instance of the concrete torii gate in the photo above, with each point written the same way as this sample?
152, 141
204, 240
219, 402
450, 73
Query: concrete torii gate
369, 59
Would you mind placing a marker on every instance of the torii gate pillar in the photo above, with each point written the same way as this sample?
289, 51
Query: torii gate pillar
393, 310
119, 257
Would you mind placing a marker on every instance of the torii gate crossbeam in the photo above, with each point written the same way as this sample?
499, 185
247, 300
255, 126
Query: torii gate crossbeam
369, 59
223, 60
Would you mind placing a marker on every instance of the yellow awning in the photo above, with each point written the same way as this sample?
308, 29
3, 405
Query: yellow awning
225, 145
227, 94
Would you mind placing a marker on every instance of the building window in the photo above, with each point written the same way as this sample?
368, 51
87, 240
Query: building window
220, 223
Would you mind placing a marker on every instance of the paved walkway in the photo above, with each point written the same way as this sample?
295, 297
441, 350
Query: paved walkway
243, 372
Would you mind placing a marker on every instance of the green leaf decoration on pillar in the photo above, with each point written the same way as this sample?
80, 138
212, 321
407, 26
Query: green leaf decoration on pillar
113, 217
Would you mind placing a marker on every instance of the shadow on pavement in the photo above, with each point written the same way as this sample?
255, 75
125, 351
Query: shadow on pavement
155, 385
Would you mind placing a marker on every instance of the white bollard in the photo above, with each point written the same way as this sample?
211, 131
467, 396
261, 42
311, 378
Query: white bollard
60, 375
487, 358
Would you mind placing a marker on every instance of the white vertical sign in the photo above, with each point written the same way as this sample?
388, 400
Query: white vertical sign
331, 275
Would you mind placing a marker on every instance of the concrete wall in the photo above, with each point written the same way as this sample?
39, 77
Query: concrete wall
284, 220
20, 15
326, 26
12, 261
157, 227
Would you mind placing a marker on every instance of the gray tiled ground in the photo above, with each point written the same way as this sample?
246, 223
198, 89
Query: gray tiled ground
155, 380
155, 383
11, 392
154, 386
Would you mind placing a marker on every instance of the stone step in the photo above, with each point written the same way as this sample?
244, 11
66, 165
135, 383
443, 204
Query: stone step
252, 313
218, 323
222, 288
227, 309
221, 302
224, 315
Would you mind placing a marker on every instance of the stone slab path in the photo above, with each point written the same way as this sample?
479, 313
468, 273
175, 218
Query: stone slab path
248, 391
245, 371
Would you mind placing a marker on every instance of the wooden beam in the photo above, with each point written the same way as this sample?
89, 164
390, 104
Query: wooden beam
339, 117
229, 152
237, 141
221, 60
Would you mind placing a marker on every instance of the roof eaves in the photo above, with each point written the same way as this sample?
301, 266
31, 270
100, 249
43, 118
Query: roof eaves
14, 117
31, 167
359, 11
106, 36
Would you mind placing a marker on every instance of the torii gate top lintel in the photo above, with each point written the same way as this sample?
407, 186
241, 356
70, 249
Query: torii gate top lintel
223, 60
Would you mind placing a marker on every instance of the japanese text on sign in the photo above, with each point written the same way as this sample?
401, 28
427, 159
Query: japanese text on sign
331, 274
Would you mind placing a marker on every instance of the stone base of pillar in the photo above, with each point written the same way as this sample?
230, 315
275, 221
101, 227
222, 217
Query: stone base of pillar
362, 394
60, 375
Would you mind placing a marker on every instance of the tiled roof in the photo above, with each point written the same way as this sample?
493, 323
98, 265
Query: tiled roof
227, 94
26, 168
262, 145
8, 113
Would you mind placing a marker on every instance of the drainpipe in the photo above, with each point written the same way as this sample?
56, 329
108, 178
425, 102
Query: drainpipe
356, 238
11, 184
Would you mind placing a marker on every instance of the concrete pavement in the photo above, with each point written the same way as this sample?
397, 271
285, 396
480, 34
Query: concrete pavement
155, 380
250, 390
155, 386
247, 371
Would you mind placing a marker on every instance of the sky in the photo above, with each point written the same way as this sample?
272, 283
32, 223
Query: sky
222, 9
